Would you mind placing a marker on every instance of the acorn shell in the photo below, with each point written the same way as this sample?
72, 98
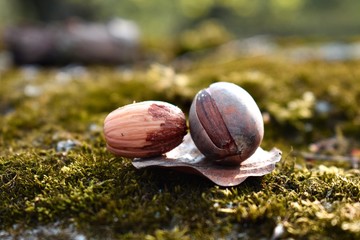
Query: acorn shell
144, 129
226, 124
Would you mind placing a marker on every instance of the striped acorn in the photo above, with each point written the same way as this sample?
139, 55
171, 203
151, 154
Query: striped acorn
226, 124
144, 129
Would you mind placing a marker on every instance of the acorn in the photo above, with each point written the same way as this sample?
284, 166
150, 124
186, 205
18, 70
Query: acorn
226, 124
144, 129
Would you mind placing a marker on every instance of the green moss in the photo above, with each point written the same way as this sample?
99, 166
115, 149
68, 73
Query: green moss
104, 196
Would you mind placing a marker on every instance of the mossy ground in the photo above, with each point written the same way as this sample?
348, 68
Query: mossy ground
102, 196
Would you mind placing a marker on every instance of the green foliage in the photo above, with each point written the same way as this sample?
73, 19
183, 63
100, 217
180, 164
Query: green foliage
161, 18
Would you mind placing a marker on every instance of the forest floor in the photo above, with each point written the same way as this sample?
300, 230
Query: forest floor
58, 180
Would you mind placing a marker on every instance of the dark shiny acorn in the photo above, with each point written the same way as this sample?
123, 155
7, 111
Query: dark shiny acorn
226, 124
144, 129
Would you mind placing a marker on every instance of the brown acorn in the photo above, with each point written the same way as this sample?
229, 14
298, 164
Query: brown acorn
144, 129
226, 124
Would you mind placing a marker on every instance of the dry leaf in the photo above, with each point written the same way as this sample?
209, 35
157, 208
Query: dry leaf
186, 157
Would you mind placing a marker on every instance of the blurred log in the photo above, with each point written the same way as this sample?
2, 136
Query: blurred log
116, 42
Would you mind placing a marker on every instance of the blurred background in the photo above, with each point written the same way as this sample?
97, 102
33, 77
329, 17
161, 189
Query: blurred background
174, 27
168, 18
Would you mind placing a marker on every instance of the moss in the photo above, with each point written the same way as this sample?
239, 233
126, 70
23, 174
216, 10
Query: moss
104, 196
